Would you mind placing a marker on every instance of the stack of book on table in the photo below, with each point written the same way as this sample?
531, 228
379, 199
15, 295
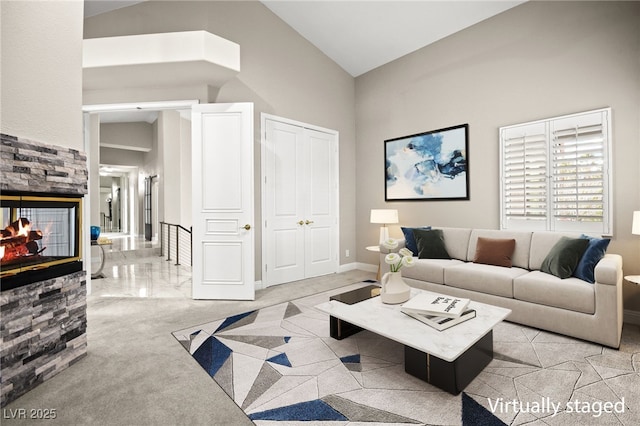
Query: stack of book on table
438, 310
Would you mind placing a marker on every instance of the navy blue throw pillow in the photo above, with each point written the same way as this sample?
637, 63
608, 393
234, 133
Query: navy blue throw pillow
595, 251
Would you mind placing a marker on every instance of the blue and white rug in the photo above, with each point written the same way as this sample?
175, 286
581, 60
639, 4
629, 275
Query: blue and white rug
279, 364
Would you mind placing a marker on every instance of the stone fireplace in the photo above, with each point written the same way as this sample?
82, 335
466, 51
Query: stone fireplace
43, 297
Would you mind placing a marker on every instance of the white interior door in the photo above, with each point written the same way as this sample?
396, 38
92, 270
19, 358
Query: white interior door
300, 193
283, 195
321, 221
222, 176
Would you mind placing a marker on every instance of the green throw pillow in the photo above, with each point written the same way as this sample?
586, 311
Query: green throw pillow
430, 244
564, 257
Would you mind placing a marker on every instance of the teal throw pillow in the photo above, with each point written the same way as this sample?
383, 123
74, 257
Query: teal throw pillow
564, 256
595, 251
430, 244
410, 240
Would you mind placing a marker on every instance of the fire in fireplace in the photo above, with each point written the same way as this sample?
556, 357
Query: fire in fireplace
40, 237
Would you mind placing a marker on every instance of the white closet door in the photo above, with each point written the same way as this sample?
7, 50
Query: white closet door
284, 198
299, 202
320, 211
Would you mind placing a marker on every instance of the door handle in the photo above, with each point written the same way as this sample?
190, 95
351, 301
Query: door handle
301, 223
308, 222
247, 227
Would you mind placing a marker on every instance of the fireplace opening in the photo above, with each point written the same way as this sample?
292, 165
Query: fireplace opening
40, 237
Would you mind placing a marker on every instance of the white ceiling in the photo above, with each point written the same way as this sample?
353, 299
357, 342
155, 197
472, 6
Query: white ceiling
363, 35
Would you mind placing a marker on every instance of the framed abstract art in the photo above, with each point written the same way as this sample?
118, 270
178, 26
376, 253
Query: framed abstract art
432, 165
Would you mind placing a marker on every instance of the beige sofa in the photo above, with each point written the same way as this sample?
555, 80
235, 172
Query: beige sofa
570, 306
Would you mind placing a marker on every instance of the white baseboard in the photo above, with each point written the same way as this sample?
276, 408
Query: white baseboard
347, 267
358, 265
367, 267
631, 317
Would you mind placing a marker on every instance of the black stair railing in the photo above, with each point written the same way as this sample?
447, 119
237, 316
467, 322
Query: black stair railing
176, 241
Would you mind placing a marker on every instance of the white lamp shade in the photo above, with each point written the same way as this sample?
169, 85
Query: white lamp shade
384, 216
635, 227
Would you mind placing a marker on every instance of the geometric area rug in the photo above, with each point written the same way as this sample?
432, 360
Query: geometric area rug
279, 365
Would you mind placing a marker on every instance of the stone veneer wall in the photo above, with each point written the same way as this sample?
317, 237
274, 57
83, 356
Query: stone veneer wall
43, 332
30, 166
43, 327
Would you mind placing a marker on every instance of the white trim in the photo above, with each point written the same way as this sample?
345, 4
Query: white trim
348, 267
140, 106
86, 213
264, 117
367, 267
258, 285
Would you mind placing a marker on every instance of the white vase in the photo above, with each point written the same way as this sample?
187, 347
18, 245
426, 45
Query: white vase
394, 289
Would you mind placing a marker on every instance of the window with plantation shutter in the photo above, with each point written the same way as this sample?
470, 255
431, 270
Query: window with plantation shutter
555, 174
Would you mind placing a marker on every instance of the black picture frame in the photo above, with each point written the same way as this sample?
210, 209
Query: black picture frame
428, 166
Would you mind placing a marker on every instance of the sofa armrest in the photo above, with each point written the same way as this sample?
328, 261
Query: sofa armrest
609, 270
401, 244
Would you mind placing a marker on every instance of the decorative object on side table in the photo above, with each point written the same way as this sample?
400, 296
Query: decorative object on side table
384, 217
394, 289
95, 233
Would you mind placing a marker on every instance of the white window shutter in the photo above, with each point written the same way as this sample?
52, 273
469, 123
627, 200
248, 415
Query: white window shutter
580, 190
555, 174
524, 183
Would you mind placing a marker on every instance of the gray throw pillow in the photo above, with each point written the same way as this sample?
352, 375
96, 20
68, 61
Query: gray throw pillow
430, 244
564, 257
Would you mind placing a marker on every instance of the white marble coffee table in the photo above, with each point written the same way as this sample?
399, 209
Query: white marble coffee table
449, 359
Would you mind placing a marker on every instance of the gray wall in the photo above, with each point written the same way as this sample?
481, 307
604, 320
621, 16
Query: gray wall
134, 136
281, 73
538, 60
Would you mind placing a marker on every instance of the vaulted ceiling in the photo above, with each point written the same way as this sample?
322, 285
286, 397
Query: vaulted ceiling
363, 35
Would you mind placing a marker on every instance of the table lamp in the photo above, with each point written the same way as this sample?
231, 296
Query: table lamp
385, 216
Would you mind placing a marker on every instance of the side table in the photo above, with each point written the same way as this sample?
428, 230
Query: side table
377, 250
634, 279
100, 244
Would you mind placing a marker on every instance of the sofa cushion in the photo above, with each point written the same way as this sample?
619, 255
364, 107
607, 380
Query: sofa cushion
483, 278
456, 241
564, 256
541, 244
410, 241
520, 257
544, 289
430, 270
595, 251
494, 251
430, 244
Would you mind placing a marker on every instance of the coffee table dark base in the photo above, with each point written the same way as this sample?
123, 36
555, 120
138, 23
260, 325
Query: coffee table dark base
452, 377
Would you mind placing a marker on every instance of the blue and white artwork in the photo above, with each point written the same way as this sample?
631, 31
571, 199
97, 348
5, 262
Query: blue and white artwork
428, 166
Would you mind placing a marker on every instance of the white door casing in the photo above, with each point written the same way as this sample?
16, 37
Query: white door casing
299, 200
223, 213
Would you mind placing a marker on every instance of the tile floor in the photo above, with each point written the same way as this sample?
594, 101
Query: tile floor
135, 268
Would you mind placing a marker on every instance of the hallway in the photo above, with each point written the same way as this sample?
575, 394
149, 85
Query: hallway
135, 268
